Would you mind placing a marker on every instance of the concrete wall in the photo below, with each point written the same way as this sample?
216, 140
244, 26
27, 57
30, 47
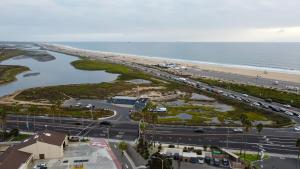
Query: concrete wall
50, 151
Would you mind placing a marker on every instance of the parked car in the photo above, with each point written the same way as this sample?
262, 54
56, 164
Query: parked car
74, 139
207, 160
287, 106
225, 162
216, 162
201, 160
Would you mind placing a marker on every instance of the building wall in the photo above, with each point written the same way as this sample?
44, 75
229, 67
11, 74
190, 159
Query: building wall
27, 163
50, 151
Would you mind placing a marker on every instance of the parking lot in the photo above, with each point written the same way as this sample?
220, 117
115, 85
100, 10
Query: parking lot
92, 155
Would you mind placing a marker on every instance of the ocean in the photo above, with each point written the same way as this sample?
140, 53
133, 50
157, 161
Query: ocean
280, 56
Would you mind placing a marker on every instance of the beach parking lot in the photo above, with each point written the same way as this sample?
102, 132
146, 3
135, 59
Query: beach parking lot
92, 155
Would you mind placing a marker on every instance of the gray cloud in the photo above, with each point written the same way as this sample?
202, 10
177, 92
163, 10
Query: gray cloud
150, 20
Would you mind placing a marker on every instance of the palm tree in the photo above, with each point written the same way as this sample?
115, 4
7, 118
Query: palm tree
3, 121
57, 105
243, 118
259, 128
298, 146
248, 127
122, 147
33, 110
142, 127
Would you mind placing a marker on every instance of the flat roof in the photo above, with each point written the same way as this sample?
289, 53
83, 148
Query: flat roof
125, 97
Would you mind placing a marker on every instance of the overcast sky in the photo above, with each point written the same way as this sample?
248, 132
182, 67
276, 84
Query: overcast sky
150, 20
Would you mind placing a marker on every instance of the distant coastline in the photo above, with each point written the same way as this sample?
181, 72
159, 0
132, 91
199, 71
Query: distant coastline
272, 56
270, 73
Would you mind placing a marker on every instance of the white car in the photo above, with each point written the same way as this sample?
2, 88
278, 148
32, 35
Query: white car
289, 113
287, 106
245, 95
297, 128
238, 130
89, 106
201, 160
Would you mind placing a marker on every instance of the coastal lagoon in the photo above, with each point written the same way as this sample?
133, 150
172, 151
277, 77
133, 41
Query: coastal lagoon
54, 72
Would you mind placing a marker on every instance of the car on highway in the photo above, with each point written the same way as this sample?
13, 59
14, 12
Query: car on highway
289, 113
89, 106
199, 130
297, 128
274, 108
77, 104
245, 95
255, 104
238, 130
105, 123
269, 100
287, 106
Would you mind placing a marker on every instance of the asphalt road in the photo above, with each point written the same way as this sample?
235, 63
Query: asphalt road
280, 141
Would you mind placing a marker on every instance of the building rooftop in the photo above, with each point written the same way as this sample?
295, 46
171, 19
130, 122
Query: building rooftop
12, 158
49, 137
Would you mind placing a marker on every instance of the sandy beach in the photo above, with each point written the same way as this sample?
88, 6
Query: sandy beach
268, 73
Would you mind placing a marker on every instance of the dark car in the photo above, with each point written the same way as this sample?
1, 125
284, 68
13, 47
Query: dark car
105, 123
199, 130
207, 160
225, 162
216, 162
194, 160
269, 100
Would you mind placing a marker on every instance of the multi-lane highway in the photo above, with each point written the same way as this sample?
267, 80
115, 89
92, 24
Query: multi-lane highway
281, 141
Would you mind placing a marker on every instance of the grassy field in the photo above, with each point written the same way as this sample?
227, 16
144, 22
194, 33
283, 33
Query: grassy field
57, 112
125, 72
8, 73
203, 115
250, 158
265, 93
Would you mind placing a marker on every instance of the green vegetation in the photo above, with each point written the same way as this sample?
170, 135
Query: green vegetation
125, 72
262, 92
250, 158
91, 91
54, 111
9, 53
203, 115
20, 137
8, 73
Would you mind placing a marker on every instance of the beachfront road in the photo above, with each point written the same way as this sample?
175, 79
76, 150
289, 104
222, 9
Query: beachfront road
279, 141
